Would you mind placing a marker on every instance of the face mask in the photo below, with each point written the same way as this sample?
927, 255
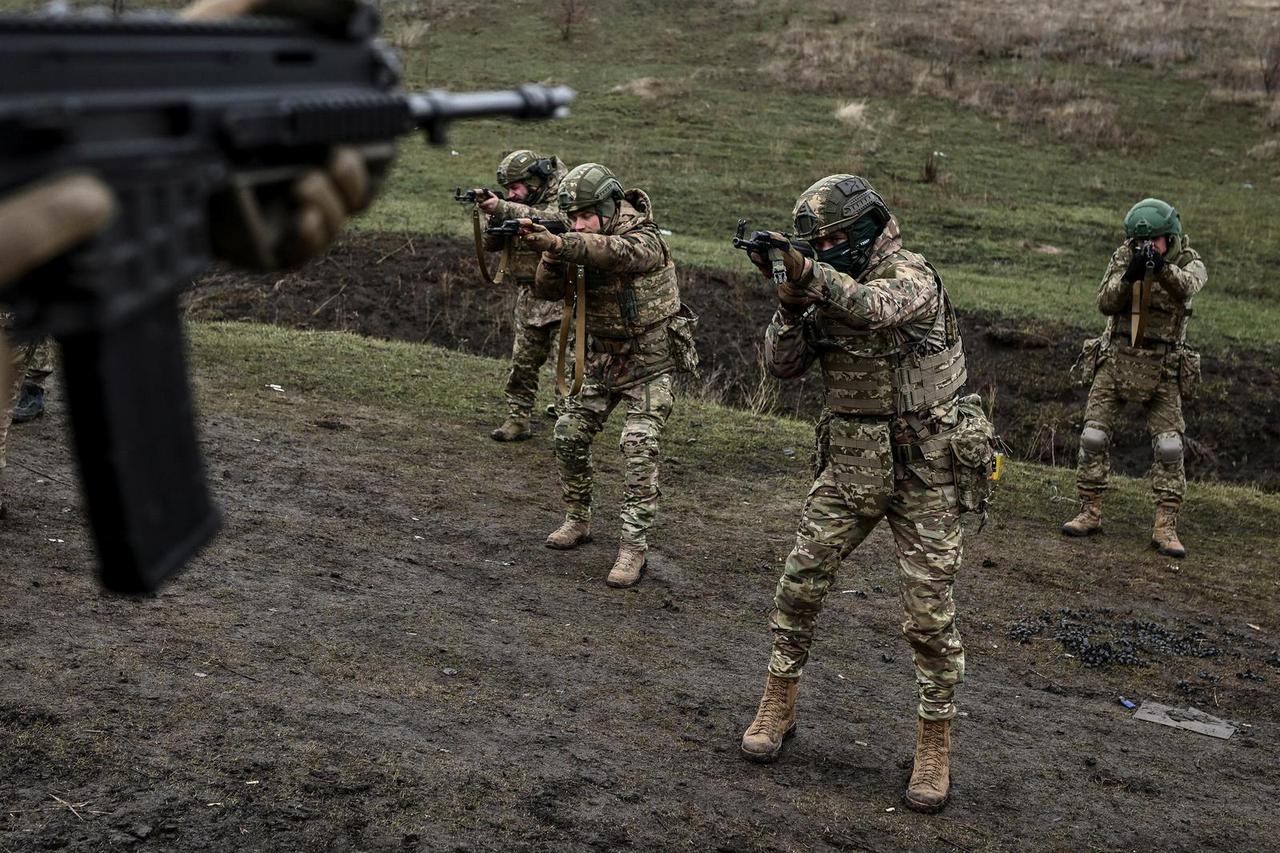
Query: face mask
851, 256
839, 258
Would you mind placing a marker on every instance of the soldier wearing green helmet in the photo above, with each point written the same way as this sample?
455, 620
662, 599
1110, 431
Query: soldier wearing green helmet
530, 181
618, 270
895, 442
1143, 357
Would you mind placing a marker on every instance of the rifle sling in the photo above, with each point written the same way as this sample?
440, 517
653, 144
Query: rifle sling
575, 312
478, 229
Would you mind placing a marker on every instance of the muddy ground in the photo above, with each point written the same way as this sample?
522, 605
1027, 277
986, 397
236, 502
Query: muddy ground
426, 289
379, 654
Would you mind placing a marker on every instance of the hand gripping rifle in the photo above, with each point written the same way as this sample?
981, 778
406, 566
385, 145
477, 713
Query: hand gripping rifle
472, 196
768, 245
183, 120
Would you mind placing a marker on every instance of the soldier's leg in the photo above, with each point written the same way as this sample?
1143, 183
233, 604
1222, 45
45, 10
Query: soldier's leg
11, 375
648, 407
1168, 470
1093, 461
926, 529
829, 529
528, 353
37, 364
581, 418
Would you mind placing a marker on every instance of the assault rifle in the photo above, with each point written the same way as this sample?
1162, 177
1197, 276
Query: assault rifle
188, 123
1140, 305
511, 227
768, 245
473, 196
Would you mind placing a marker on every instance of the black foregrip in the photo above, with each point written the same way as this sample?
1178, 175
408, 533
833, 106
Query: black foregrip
136, 441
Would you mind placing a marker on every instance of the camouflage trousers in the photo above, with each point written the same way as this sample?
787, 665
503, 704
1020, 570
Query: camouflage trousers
12, 374
925, 521
582, 416
1162, 406
536, 326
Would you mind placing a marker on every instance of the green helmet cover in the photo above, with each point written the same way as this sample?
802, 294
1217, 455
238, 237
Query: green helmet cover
528, 166
1152, 217
835, 203
590, 186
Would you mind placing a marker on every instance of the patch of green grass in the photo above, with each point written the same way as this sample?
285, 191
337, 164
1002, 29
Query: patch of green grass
443, 387
722, 140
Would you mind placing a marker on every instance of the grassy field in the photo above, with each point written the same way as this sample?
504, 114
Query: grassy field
1046, 130
416, 379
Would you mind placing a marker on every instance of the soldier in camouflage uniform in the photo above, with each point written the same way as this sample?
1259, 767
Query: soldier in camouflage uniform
531, 182
637, 335
878, 320
1156, 372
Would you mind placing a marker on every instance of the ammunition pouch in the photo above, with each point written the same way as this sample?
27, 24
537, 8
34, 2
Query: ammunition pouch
973, 450
1086, 364
680, 330
1137, 371
1188, 372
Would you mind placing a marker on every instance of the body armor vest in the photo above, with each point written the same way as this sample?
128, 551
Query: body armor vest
625, 305
879, 374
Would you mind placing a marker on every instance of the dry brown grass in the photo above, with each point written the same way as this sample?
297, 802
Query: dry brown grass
993, 56
1268, 150
651, 88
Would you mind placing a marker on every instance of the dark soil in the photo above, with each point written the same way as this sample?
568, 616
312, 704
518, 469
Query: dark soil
379, 654
426, 289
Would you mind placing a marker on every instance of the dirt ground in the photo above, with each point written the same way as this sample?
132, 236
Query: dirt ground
426, 289
379, 654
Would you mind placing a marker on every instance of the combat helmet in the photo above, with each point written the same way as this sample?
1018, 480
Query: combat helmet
525, 165
846, 204
1152, 218
591, 186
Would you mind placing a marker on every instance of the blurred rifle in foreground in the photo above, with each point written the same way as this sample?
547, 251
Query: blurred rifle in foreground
188, 123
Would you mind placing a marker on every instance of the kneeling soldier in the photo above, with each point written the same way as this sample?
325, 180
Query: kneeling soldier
636, 336
1142, 357
879, 322
531, 182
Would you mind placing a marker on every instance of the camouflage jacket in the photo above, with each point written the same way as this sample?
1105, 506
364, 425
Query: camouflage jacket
519, 265
893, 304
1181, 278
632, 293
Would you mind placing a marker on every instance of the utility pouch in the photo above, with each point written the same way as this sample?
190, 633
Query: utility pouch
973, 451
1188, 372
1137, 372
1086, 365
680, 330
860, 456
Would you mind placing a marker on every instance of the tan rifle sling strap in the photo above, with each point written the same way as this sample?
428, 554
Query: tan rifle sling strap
478, 228
575, 312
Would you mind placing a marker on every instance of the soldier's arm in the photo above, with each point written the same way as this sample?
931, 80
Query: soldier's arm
637, 251
1114, 293
548, 281
909, 295
1182, 283
516, 210
787, 351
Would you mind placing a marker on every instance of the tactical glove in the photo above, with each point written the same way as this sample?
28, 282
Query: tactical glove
539, 238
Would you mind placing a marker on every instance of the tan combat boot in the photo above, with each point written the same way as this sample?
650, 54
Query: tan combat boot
1089, 520
775, 720
931, 777
1164, 534
569, 534
628, 568
512, 429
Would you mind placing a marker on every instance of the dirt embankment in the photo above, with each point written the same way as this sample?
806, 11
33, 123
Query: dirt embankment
427, 289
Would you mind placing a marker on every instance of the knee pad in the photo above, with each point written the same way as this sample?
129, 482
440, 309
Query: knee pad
1093, 439
1169, 447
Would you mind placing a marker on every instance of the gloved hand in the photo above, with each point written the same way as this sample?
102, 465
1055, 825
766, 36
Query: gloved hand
538, 238
1137, 269
489, 204
318, 203
795, 298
